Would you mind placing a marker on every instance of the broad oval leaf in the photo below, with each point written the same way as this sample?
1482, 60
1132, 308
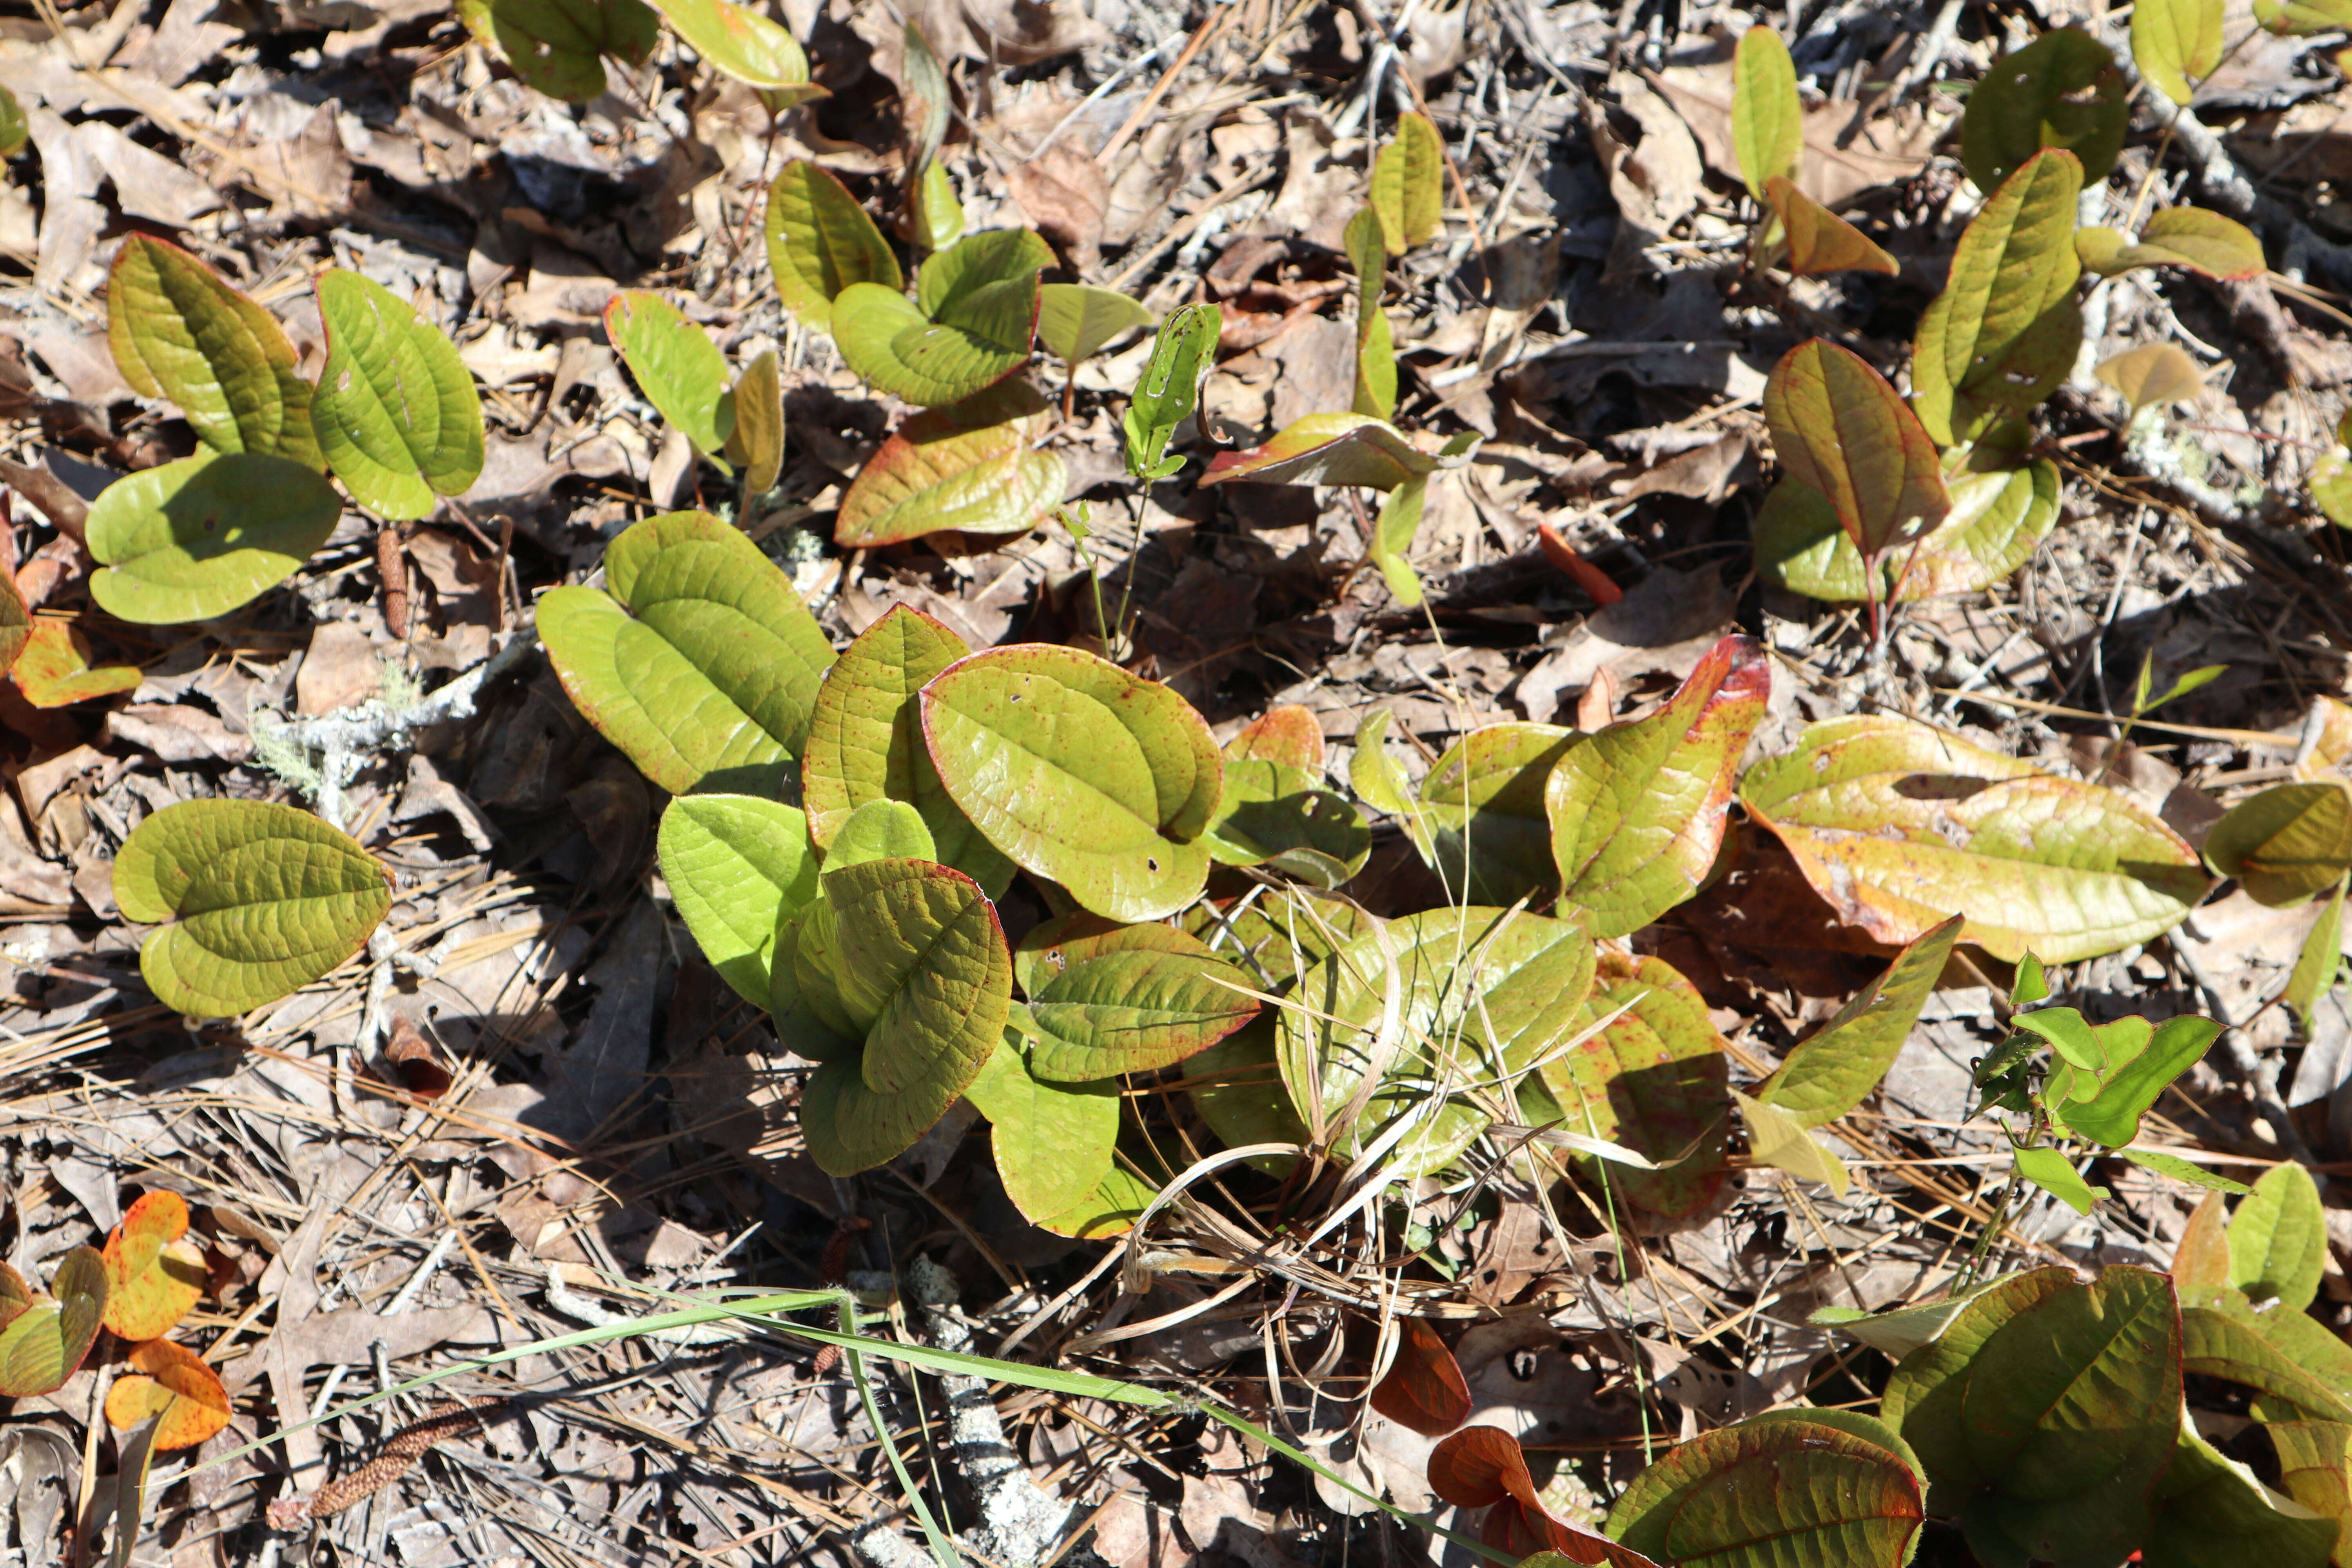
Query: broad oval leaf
396, 414
54, 670
923, 967
2006, 330
152, 1274
1052, 1139
1637, 810
2054, 1174
1279, 816
751, 423
1997, 521
43, 1345
1829, 1073
1839, 428
1341, 449
1768, 123
2172, 40
886, 340
820, 241
936, 473
1819, 240
881, 831
702, 663
1236, 1086
262, 900
2153, 374
2202, 241
2213, 1510
2278, 1239
557, 46
2045, 1413
1483, 803
1073, 320
746, 46
1789, 1492
1133, 1009
676, 366
1409, 184
179, 332
1424, 1388
197, 538
964, 273
2062, 90
1079, 772
1899, 825
1286, 733
172, 1381
2287, 844
737, 865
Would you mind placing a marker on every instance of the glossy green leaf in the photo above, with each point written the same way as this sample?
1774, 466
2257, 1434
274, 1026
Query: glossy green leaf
1820, 241
1409, 184
1342, 449
1791, 1492
981, 335
2318, 961
1997, 521
2316, 1464
1655, 1079
2055, 1175
14, 129
2062, 90
2046, 1413
2278, 1239
197, 538
2006, 330
1767, 125
2142, 1061
1075, 321
261, 901
1839, 428
676, 364
15, 622
2153, 374
968, 270
2303, 16
1182, 353
1483, 802
54, 670
939, 473
2225, 1341
395, 414
2202, 241
924, 974
1375, 777
880, 830
43, 1345
1899, 825
179, 332
736, 865
2287, 844
936, 217
1129, 1010
1636, 812
556, 45
1830, 1072
2069, 1035
2212, 1509
820, 241
1052, 1141
1896, 1332
745, 45
2173, 40
1276, 814
750, 420
1080, 772
701, 663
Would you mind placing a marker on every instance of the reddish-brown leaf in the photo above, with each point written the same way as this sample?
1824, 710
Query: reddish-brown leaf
1424, 1388
1588, 577
1820, 240
1482, 1467
1838, 426
176, 1385
1289, 736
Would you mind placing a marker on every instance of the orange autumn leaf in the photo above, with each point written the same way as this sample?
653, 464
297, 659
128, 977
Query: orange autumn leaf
1424, 1388
176, 1385
153, 1275
1288, 734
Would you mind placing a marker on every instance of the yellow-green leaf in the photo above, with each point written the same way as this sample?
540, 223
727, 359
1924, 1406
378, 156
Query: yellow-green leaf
2315, 1463
1276, 814
1800, 1488
1767, 126
2173, 40
1342, 449
1375, 345
197, 538
1074, 320
2316, 965
1996, 522
1482, 802
14, 131
2286, 843
973, 468
1182, 352
1838, 428
977, 337
15, 622
2278, 1239
397, 413
1052, 1141
1123, 1009
2202, 241
737, 866
557, 46
1819, 240
2153, 374
54, 670
820, 241
1829, 1073
2213, 1510
746, 46
2060, 90
179, 332
1409, 184
43, 1345
676, 366
751, 422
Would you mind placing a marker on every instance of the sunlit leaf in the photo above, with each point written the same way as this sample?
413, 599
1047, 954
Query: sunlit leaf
2055, 1175
1342, 449
54, 669
1409, 184
1376, 370
1791, 1491
936, 217
736, 866
1778, 1140
2315, 1466
676, 366
2202, 241
2152, 374
1182, 353
1768, 129
1052, 1139
555, 46
1111, 1209
939, 472
2316, 964
701, 662
1132, 1010
1075, 320
43, 1345
2062, 90
1272, 812
2278, 1239
745, 45
980, 340
172, 1382
14, 129
928, 105
2286, 843
179, 332
1829, 1073
396, 414
199, 537
2213, 1510
2173, 40
1839, 428
751, 422
15, 623
2180, 1170
1819, 240
820, 241
1899, 1330
2142, 1061
2201, 1262
1374, 776
261, 899
1424, 1388
152, 1274
1997, 521
1900, 825
1286, 733
1483, 804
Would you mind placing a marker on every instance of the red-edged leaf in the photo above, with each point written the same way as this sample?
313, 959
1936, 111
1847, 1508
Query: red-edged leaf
153, 1276
43, 1345
1341, 449
1837, 426
1424, 1388
173, 1383
1482, 1467
1820, 241
1289, 736
15, 1295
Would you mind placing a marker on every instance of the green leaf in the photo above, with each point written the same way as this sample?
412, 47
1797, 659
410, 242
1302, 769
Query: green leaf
1997, 521
2278, 1239
2226, 1344
1376, 364
2172, 40
2180, 1170
1900, 825
2141, 1064
820, 241
2062, 90
1409, 184
13, 131
2032, 983
745, 45
2287, 844
2006, 330
937, 216
15, 622
2316, 1464
2153, 374
1075, 320
1779, 1140
54, 670
927, 100
2212, 1509
1052, 1141
969, 269
2331, 486
1789, 1492
1236, 1086
2045, 1413
923, 971
1767, 126
1636, 812
1391, 539
1079, 772
1895, 1333
981, 334
2055, 1175
938, 473
179, 332
555, 46
1116, 1202
2316, 965
395, 413
1130, 1010
1272, 812
2068, 1035
1839, 428
1654, 1079
262, 900
750, 420
676, 364
1820, 241
1166, 393
197, 538
737, 865
1828, 1075
1342, 449
1054, 946
880, 830
2202, 241
701, 664
1483, 802
1375, 777
43, 1343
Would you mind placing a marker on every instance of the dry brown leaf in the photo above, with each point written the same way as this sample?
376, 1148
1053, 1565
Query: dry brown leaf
1656, 181
1845, 156
1065, 196
340, 669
